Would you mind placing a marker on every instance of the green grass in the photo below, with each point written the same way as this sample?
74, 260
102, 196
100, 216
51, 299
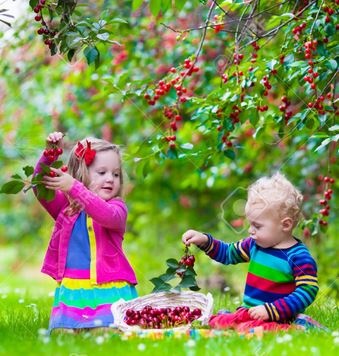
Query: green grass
24, 315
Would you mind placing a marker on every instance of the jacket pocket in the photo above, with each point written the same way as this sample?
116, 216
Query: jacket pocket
111, 263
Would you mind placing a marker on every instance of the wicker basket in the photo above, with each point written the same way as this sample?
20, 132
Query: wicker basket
162, 300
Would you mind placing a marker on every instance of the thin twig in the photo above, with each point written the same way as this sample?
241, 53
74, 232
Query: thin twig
202, 40
316, 17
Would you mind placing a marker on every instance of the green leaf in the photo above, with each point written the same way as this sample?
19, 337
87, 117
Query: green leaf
331, 64
190, 271
173, 263
160, 285
165, 4
330, 29
167, 276
70, 54
44, 169
119, 20
12, 187
16, 176
136, 4
103, 36
92, 55
45, 193
179, 4
326, 142
33, 3
29, 170
155, 7
230, 154
187, 282
334, 128
57, 164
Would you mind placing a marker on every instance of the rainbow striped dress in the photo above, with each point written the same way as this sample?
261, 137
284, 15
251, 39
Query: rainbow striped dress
78, 303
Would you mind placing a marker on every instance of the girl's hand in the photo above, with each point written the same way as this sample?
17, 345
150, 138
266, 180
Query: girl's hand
194, 237
55, 139
259, 312
60, 180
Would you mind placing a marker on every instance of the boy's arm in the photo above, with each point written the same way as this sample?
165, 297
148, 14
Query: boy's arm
227, 253
306, 281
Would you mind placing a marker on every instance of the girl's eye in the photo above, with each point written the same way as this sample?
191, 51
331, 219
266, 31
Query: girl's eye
102, 173
116, 175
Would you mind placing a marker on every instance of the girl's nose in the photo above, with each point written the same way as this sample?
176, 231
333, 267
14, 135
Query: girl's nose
109, 177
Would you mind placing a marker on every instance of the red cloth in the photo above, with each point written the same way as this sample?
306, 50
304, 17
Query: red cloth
241, 321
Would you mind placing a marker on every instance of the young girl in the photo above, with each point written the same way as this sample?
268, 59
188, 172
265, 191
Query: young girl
85, 254
282, 275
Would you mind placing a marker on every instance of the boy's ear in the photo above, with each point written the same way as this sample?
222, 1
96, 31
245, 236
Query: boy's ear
287, 224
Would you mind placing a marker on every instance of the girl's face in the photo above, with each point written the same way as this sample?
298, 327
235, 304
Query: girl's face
104, 174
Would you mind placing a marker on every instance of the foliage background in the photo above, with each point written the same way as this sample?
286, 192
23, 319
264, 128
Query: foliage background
202, 182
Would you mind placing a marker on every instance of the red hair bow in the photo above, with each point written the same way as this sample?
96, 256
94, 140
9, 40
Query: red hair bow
85, 152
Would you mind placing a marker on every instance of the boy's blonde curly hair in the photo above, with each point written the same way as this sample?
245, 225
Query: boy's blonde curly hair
278, 193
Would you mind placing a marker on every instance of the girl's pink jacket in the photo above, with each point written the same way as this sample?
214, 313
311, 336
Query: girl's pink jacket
109, 224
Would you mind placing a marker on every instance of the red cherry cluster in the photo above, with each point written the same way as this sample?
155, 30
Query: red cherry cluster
218, 26
267, 85
325, 211
310, 47
283, 107
329, 12
262, 108
44, 30
174, 117
63, 169
237, 58
164, 87
161, 318
186, 261
318, 104
298, 30
254, 54
53, 153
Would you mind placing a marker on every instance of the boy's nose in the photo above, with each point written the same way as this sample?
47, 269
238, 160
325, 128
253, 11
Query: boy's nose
251, 230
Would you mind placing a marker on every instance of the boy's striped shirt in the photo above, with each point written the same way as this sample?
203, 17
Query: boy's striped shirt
284, 280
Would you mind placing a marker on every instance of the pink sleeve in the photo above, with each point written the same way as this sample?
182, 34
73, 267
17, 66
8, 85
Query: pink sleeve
111, 214
59, 202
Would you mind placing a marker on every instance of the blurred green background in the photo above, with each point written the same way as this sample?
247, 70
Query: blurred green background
199, 184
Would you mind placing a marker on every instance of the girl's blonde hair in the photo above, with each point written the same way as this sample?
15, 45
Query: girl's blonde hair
278, 192
78, 169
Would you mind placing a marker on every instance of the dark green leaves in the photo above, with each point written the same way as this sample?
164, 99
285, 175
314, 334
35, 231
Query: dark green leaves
92, 55
12, 187
176, 270
18, 183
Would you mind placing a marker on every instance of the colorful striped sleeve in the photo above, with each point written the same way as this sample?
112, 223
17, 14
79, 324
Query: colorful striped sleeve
227, 253
306, 286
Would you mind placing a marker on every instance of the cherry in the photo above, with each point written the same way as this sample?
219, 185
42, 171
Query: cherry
64, 168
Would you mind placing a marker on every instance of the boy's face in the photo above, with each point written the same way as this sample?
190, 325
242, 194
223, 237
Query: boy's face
266, 227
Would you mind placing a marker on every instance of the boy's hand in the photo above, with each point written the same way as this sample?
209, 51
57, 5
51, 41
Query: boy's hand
194, 237
60, 180
55, 139
259, 312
